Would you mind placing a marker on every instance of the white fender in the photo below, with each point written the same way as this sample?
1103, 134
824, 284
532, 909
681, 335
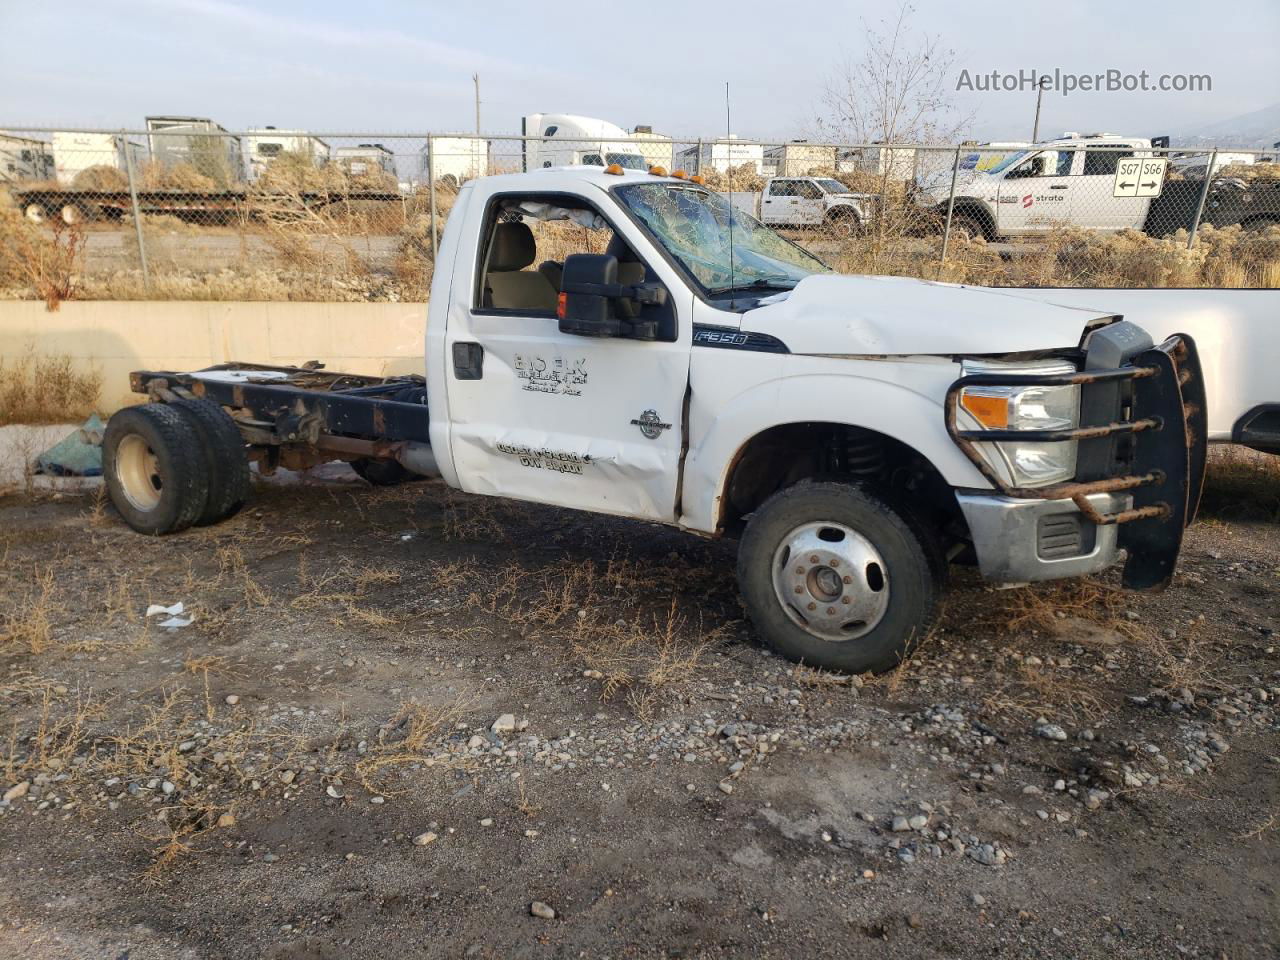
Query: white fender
899, 398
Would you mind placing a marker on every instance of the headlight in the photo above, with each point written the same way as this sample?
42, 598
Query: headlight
1023, 408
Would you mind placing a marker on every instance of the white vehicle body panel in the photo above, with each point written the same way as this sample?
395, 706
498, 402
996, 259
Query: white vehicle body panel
462, 158
737, 395
832, 314
1237, 333
75, 152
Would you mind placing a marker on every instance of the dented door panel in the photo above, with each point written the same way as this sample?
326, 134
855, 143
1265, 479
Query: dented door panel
567, 420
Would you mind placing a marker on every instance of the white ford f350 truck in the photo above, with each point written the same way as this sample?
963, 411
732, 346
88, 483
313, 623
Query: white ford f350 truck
691, 367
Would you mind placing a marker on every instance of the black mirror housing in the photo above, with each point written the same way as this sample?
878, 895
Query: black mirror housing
587, 285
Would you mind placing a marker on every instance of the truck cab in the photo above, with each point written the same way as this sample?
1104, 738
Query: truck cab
1062, 182
812, 202
626, 343
565, 139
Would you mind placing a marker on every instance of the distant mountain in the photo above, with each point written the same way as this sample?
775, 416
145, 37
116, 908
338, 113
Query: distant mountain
1261, 128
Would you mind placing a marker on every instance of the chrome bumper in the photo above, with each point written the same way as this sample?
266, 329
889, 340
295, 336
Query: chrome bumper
1020, 541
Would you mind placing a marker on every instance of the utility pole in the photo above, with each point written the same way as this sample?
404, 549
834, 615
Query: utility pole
475, 78
1035, 129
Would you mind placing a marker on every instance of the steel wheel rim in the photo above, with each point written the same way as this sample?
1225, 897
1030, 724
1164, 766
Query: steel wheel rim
138, 473
831, 581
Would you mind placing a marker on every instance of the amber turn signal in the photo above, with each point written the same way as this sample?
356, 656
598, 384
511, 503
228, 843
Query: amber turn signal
991, 412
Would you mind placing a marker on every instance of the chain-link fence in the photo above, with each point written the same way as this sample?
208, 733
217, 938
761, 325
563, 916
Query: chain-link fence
187, 210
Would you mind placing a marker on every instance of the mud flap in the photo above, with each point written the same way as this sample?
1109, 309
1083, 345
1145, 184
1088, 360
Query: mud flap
1176, 396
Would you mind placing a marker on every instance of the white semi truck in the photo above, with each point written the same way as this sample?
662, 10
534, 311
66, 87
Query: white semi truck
855, 433
566, 139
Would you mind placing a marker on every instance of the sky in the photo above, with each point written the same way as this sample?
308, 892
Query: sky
400, 66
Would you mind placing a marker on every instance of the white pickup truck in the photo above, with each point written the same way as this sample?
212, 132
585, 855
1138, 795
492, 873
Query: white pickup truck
691, 367
813, 202
1068, 181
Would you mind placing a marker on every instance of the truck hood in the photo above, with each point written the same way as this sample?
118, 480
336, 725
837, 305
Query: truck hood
938, 186
830, 314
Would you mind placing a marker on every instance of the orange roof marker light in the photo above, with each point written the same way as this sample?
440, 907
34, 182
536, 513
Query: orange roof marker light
679, 174
614, 168
658, 171
697, 178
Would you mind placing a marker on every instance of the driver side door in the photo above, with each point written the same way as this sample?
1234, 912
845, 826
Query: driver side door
1035, 203
536, 414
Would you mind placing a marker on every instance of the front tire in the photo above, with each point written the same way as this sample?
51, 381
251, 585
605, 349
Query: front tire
156, 468
967, 226
835, 577
843, 223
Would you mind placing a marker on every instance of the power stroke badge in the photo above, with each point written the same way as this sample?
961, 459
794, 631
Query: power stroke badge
650, 424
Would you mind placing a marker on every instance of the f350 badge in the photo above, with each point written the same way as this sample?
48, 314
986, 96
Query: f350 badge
650, 424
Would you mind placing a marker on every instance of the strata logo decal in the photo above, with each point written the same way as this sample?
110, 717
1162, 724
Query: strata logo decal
650, 424
558, 375
540, 458
1027, 201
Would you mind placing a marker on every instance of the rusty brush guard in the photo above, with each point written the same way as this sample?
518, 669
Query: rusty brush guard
1156, 440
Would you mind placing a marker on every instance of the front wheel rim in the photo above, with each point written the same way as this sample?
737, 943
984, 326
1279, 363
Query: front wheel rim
138, 473
831, 581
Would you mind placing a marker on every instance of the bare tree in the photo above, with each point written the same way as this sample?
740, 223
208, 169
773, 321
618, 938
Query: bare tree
896, 91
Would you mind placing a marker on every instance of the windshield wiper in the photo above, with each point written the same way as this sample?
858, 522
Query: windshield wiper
760, 283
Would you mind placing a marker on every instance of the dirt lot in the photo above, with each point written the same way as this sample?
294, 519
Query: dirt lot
320, 765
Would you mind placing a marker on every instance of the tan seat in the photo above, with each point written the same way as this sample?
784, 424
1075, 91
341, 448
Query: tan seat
508, 286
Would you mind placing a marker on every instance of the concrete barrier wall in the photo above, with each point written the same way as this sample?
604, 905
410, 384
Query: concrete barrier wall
116, 337
1238, 332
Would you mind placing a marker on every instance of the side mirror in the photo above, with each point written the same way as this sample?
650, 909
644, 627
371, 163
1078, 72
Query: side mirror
593, 303
588, 282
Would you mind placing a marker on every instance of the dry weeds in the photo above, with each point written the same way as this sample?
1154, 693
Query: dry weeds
37, 389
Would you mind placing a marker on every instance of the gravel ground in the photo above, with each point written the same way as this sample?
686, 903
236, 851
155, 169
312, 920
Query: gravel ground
410, 723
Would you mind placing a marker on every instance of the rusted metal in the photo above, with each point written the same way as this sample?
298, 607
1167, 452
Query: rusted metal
1057, 436
1078, 491
1123, 516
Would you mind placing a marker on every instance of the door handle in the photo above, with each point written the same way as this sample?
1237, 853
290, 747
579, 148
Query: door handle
468, 360
1058, 186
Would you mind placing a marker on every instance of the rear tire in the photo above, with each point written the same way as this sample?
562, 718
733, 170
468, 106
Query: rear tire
382, 473
835, 577
156, 469
228, 465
